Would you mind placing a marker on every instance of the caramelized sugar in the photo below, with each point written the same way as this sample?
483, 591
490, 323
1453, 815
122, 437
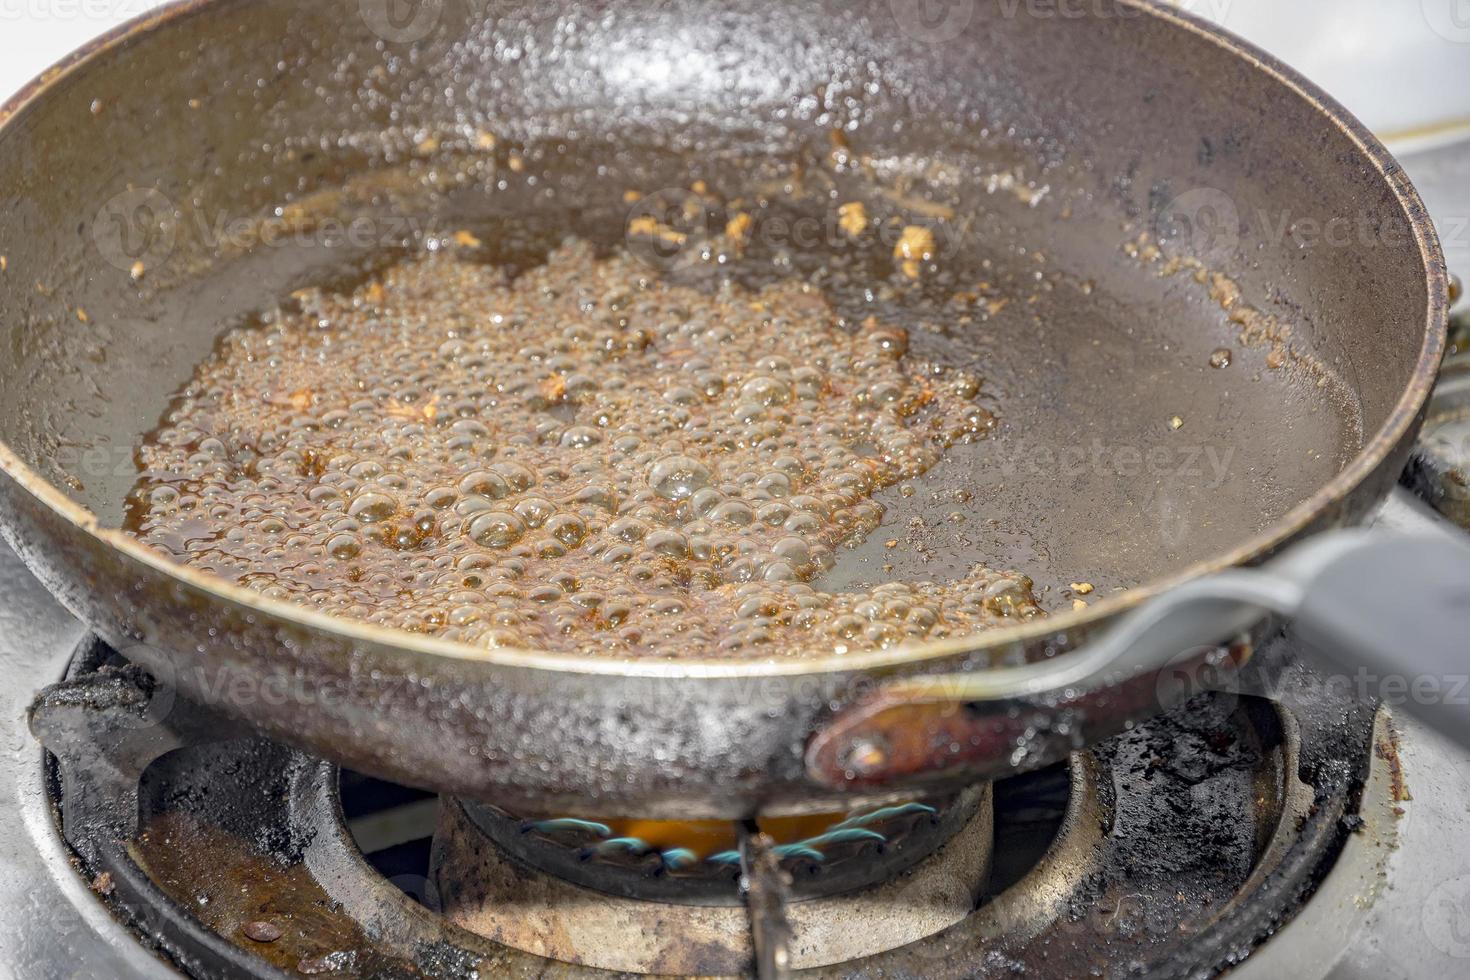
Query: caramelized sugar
583, 459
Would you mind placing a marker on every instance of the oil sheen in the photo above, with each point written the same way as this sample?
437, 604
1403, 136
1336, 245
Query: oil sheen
583, 458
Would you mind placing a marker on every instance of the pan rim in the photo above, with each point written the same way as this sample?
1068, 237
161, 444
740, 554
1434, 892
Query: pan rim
1398, 424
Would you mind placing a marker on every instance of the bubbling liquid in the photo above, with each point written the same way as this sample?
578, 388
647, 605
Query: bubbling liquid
582, 459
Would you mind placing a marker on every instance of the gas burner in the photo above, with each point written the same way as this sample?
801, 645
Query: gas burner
1172, 850
901, 891
698, 862
1234, 829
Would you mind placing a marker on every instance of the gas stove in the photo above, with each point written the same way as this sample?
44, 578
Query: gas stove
1307, 834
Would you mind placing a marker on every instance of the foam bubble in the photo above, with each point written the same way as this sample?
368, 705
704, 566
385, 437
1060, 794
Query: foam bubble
580, 459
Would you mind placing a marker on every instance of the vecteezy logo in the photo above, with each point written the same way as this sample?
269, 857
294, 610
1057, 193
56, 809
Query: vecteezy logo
933, 21
135, 227
1450, 19
1198, 671
1204, 223
401, 21
666, 227
1215, 10
1447, 917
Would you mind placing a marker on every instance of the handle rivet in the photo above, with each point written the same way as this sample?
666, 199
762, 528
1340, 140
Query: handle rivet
865, 755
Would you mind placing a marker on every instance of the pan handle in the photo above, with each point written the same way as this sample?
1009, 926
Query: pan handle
1392, 610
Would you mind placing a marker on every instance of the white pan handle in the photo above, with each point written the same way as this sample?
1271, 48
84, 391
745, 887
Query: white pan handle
1391, 610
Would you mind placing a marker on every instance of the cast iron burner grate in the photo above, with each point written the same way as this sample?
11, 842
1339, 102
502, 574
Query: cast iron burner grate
1171, 851
393, 827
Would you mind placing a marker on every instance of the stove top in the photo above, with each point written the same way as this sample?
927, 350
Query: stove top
1310, 838
1306, 836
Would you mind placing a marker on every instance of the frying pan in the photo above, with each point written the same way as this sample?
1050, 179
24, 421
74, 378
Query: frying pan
1041, 142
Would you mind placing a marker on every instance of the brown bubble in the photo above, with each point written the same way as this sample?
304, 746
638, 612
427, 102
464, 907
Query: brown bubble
496, 529
644, 478
678, 477
371, 507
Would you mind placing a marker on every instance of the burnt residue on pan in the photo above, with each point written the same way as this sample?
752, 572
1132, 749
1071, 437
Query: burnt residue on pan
251, 107
468, 444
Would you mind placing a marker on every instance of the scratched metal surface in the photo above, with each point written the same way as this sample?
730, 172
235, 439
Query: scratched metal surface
51, 925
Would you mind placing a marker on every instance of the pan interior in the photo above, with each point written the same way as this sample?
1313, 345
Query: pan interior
298, 146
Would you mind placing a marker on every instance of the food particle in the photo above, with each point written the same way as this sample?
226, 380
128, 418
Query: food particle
646, 226
915, 246
852, 218
737, 229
